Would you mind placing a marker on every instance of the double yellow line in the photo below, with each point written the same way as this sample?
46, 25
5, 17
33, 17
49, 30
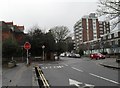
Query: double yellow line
45, 82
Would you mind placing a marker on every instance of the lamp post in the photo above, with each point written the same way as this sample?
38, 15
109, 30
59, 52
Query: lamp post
43, 52
22, 52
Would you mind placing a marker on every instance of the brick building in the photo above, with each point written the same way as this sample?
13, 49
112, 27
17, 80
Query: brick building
9, 30
6, 31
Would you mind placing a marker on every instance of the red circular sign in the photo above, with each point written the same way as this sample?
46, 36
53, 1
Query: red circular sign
27, 45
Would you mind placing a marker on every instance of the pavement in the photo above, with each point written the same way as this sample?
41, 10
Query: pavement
110, 62
21, 75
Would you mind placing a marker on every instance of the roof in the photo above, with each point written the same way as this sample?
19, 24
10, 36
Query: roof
9, 23
20, 28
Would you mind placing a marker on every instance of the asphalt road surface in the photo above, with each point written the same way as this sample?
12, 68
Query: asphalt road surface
79, 72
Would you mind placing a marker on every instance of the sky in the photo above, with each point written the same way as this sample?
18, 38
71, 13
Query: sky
45, 13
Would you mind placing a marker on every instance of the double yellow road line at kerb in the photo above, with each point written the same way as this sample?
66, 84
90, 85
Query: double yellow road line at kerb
42, 77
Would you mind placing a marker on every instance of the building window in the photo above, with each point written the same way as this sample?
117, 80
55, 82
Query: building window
108, 32
101, 29
116, 34
95, 33
109, 36
76, 36
76, 33
110, 43
101, 32
95, 37
116, 42
104, 37
119, 42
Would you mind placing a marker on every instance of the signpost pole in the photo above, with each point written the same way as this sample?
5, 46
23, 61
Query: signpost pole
27, 58
43, 55
43, 52
27, 46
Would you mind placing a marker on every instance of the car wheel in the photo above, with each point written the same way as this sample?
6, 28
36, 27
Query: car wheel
97, 58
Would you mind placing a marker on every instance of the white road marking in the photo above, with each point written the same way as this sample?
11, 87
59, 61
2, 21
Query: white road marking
33, 68
65, 64
50, 67
46, 67
57, 66
54, 66
62, 66
104, 78
43, 68
74, 82
77, 69
80, 84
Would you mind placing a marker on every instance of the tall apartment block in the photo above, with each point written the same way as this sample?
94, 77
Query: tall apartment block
104, 28
89, 28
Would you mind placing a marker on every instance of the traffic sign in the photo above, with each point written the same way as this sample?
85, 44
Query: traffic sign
27, 45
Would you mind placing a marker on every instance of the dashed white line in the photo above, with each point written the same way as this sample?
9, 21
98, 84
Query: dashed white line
46, 67
43, 68
104, 78
65, 64
50, 67
54, 66
62, 66
77, 69
33, 68
58, 66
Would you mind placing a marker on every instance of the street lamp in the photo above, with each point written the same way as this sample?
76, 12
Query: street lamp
22, 52
43, 52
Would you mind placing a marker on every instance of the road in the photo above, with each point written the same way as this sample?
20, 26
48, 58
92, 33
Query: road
68, 72
78, 72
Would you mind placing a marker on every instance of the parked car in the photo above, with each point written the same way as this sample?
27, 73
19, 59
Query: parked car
62, 54
97, 56
75, 55
118, 59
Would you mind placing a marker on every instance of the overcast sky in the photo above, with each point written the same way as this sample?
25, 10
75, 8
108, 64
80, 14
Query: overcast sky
45, 13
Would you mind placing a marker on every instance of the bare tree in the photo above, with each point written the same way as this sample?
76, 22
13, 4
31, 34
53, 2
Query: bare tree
110, 9
60, 33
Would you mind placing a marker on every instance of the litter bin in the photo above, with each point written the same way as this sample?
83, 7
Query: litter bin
11, 64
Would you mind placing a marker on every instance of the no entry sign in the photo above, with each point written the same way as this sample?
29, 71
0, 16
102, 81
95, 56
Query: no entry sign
27, 45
